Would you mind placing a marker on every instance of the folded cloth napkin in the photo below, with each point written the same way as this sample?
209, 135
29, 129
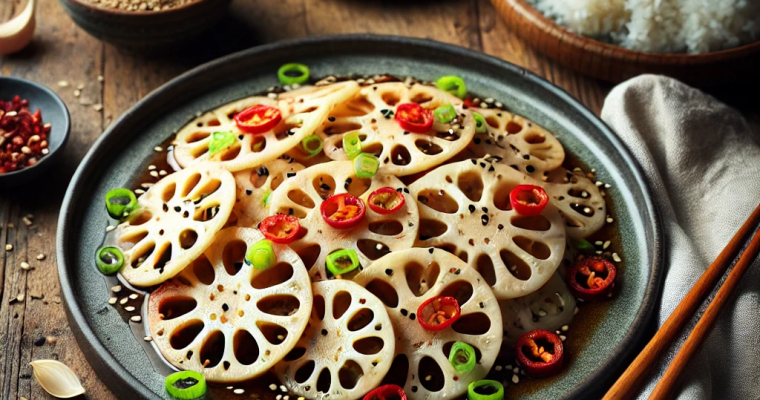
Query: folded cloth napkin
702, 162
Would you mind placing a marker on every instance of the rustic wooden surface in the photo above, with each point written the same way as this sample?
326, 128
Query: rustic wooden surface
62, 51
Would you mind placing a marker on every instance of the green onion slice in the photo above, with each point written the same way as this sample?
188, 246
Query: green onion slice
485, 390
352, 144
366, 165
312, 145
185, 385
445, 114
462, 357
342, 262
266, 198
261, 255
220, 141
120, 202
293, 73
480, 123
109, 260
584, 245
452, 84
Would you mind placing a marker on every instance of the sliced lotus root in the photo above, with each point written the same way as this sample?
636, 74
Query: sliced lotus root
302, 111
254, 185
465, 209
347, 347
175, 221
549, 308
403, 281
371, 113
518, 141
578, 199
376, 235
226, 319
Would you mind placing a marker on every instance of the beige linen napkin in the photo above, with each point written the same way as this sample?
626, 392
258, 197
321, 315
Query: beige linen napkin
702, 162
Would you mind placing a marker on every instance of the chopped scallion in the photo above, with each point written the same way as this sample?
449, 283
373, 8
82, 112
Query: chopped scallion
120, 202
261, 255
480, 123
366, 165
312, 145
342, 262
109, 260
292, 73
220, 141
445, 114
185, 385
352, 144
452, 84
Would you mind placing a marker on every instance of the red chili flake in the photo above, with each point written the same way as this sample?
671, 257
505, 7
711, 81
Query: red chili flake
23, 136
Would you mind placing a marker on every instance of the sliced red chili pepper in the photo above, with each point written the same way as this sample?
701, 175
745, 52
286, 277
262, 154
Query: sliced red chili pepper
413, 118
280, 228
591, 278
258, 119
540, 352
342, 211
528, 199
439, 312
386, 200
386, 392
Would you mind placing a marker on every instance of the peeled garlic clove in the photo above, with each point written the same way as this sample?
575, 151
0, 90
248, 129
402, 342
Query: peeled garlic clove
57, 379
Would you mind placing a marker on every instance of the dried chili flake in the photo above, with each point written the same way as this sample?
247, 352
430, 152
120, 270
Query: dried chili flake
23, 135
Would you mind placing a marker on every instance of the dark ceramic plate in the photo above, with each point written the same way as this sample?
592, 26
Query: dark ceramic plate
53, 110
118, 357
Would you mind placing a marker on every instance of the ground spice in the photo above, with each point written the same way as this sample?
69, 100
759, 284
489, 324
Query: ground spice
140, 5
23, 137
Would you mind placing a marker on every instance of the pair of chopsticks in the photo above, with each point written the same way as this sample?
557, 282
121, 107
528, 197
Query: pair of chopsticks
629, 383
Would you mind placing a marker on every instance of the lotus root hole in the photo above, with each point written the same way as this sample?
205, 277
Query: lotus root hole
304, 372
272, 276
319, 307
472, 324
273, 333
372, 249
460, 290
386, 228
357, 186
350, 374
531, 223
324, 381
431, 375
369, 345
187, 238
212, 350
515, 265
185, 334
400, 155
532, 247
421, 278
484, 265
430, 228
282, 305
439, 200
341, 303
384, 291
176, 306
324, 185
309, 255
360, 319
471, 184
245, 347
428, 148
203, 270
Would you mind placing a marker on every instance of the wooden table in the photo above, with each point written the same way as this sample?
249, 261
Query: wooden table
61, 51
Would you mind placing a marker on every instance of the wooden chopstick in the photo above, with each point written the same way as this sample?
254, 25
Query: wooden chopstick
704, 326
629, 382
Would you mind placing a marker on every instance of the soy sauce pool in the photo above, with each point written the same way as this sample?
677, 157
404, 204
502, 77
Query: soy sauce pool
267, 387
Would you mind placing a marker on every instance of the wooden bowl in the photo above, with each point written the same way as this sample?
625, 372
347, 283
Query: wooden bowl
614, 63
147, 32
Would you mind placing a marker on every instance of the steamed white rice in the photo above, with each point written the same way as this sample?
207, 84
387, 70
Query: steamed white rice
661, 26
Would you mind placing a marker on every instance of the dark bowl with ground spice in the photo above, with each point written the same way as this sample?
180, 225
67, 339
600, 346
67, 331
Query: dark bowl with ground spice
146, 26
34, 128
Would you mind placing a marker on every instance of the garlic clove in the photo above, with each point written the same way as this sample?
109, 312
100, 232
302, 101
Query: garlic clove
57, 379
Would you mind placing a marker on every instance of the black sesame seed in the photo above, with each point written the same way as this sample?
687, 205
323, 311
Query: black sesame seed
491, 169
527, 156
406, 190
430, 250
291, 132
482, 165
225, 307
399, 189
485, 209
530, 169
488, 141
331, 119
414, 389
484, 219
476, 140
482, 305
262, 171
291, 174
325, 186
561, 198
406, 132
457, 272
388, 272
248, 192
473, 161
404, 312
177, 208
412, 316
324, 332
40, 341
471, 208
500, 226
240, 137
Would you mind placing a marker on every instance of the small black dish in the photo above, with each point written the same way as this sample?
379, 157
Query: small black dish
54, 112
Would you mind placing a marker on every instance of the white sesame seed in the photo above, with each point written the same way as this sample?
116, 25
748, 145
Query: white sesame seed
20, 297
498, 367
610, 220
238, 391
616, 257
162, 173
80, 86
148, 339
154, 174
575, 312
77, 93
587, 210
139, 191
541, 313
584, 194
116, 289
97, 107
109, 228
230, 387
63, 84
598, 243
302, 398
25, 266
129, 308
45, 151
151, 167
124, 301
593, 170
515, 379
158, 149
283, 389
273, 387
557, 332
515, 370
562, 337
598, 252
565, 328
136, 318
133, 296
112, 300
40, 257
428, 378
146, 185
508, 367
8, 247
606, 245
101, 78
498, 105
489, 100
272, 95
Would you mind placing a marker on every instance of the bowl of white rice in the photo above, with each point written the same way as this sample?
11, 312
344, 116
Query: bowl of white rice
703, 42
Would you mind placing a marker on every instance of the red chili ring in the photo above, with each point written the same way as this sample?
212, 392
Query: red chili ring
386, 392
540, 361
413, 118
273, 226
601, 286
334, 203
385, 192
426, 311
528, 200
268, 118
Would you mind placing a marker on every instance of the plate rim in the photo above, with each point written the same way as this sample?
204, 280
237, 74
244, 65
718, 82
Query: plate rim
107, 366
